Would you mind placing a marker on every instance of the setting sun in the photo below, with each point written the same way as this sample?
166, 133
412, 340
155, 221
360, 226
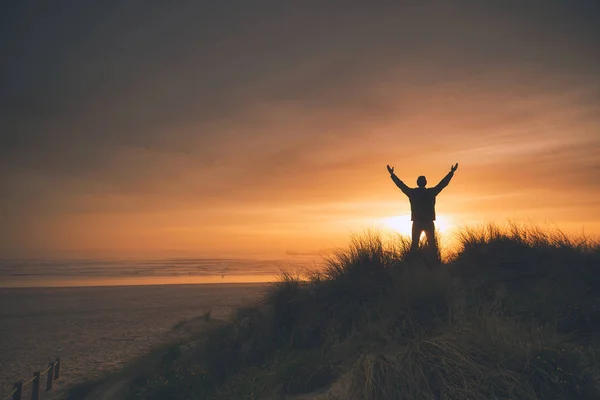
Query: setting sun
403, 225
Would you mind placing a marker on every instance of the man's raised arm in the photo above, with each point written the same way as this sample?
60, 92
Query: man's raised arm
405, 189
444, 182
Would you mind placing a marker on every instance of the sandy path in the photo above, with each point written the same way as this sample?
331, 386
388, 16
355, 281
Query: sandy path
117, 385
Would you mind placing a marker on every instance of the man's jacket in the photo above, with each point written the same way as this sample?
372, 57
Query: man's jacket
422, 200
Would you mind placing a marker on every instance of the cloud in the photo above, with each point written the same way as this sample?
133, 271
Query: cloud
167, 109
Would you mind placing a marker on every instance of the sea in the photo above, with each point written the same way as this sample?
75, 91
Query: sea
111, 272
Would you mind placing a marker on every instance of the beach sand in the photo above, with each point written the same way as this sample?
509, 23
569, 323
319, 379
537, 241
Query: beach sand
95, 330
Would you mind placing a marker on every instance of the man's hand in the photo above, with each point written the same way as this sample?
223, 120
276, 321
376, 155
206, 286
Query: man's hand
452, 168
390, 170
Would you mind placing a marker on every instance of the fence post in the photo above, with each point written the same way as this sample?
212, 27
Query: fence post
57, 368
35, 387
18, 395
50, 376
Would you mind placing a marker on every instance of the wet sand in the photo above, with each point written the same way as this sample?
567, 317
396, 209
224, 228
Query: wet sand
95, 330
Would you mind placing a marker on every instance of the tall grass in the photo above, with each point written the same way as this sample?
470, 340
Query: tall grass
513, 314
532, 273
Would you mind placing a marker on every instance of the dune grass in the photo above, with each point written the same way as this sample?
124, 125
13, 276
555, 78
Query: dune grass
512, 314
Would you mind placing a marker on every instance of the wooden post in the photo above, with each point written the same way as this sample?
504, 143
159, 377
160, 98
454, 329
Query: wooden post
18, 395
57, 368
50, 377
35, 387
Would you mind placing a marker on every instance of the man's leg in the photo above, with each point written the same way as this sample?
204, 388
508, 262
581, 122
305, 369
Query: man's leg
432, 244
429, 229
417, 228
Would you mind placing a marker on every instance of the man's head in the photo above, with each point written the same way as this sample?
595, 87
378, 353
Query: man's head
421, 181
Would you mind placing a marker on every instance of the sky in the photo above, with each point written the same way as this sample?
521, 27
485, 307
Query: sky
263, 128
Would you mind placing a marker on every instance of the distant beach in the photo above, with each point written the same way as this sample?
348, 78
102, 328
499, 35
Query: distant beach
109, 272
99, 329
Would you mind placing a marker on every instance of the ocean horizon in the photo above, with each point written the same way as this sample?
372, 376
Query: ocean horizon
118, 272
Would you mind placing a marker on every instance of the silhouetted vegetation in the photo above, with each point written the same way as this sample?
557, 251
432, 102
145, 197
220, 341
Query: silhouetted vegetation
514, 314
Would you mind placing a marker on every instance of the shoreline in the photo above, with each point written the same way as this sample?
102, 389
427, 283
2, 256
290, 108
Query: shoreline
214, 284
142, 281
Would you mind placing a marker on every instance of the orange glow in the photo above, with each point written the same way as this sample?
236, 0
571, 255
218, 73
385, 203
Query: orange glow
132, 281
275, 190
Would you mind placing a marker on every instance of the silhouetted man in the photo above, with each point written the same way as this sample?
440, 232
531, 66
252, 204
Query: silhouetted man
422, 206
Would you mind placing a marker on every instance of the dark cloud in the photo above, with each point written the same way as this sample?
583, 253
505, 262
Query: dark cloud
151, 105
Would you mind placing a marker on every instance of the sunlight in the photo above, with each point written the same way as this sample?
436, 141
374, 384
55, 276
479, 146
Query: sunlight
400, 224
403, 225
443, 223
